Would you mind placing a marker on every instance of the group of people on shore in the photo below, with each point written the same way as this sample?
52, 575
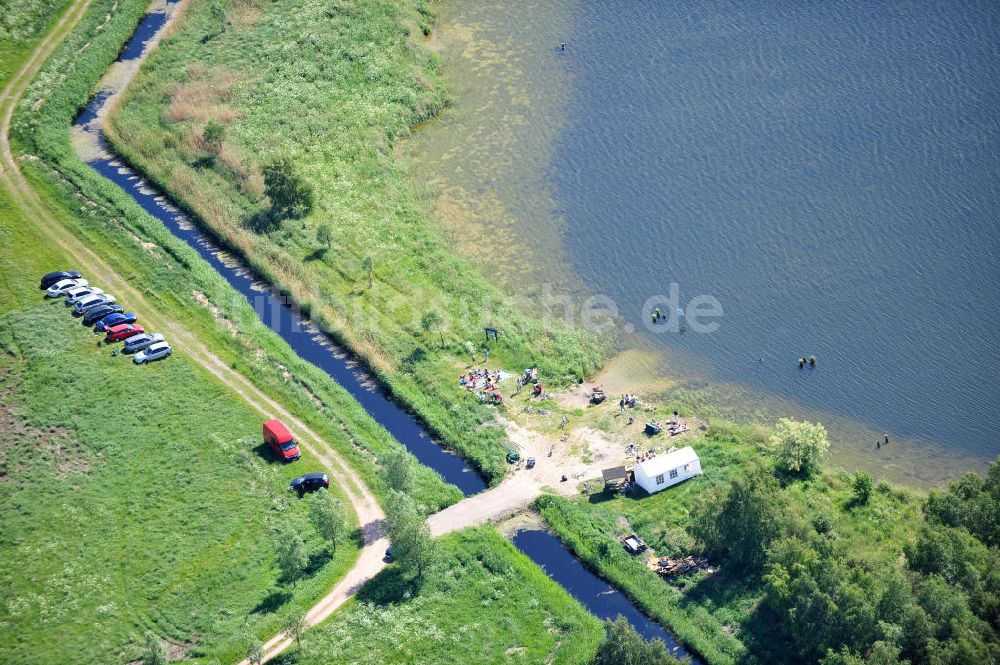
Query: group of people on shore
627, 400
487, 382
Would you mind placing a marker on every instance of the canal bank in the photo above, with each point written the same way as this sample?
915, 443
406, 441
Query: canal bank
276, 311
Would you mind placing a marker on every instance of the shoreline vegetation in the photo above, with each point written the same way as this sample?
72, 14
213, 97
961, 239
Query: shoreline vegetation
364, 263
840, 569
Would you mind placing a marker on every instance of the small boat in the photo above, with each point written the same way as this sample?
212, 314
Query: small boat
653, 428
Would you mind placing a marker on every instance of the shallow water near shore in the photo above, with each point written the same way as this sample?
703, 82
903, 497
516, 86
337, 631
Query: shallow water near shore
828, 173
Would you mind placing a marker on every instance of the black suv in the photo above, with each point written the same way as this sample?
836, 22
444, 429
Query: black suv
94, 314
59, 275
310, 483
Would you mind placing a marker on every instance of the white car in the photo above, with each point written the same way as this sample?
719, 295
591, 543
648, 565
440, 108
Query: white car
80, 292
91, 300
153, 352
64, 285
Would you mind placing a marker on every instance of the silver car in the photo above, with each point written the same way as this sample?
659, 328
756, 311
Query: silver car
156, 351
63, 285
141, 341
81, 292
91, 300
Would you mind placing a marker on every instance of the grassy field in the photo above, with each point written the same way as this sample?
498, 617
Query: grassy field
336, 99
133, 497
21, 23
166, 269
484, 603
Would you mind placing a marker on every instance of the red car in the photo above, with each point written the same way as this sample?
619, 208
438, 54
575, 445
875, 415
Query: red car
280, 440
122, 331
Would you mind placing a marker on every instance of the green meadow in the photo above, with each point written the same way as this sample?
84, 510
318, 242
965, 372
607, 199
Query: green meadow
336, 99
134, 498
484, 602
166, 269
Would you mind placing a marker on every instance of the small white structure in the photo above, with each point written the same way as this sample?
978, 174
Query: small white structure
665, 470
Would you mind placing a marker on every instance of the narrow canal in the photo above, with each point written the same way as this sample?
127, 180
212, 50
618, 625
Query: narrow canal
602, 599
275, 309
313, 345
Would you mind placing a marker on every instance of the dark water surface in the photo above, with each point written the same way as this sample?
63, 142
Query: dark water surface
829, 171
602, 599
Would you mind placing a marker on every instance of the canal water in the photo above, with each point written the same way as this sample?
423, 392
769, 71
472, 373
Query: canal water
274, 309
602, 599
313, 345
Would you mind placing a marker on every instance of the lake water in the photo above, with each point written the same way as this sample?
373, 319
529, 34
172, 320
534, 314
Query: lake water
828, 171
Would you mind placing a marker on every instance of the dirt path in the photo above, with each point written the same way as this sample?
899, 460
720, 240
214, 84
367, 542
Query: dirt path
363, 502
511, 496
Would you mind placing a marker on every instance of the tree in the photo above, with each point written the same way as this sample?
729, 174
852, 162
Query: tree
219, 15
295, 625
433, 320
254, 650
290, 195
972, 502
862, 488
623, 645
368, 264
398, 471
324, 235
153, 652
738, 524
214, 134
290, 554
409, 534
799, 447
328, 516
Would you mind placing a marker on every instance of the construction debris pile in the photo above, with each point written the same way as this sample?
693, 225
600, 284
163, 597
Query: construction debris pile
669, 567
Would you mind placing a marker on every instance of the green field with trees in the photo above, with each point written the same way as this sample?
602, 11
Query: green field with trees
480, 601
166, 269
280, 141
814, 565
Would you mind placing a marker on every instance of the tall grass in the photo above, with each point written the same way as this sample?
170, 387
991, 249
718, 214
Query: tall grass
337, 98
484, 602
107, 218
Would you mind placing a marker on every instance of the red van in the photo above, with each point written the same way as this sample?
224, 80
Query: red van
280, 441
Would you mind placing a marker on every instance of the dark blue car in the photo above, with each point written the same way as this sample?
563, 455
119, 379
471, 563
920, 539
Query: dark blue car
111, 320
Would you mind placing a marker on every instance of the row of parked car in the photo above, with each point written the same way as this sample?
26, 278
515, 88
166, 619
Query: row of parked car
101, 310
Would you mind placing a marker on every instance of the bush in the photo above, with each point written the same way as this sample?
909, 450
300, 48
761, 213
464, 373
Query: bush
290, 195
213, 135
799, 447
623, 645
738, 523
862, 488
